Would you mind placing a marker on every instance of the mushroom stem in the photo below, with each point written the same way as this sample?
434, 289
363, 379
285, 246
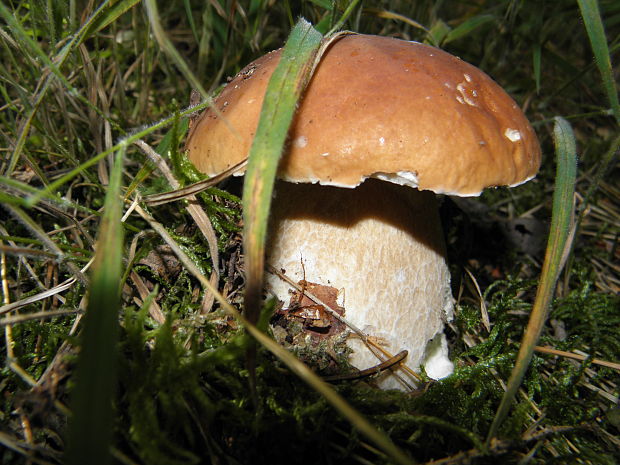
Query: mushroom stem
381, 246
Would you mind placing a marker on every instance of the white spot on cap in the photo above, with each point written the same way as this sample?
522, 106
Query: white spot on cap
464, 97
301, 142
512, 134
325, 154
467, 77
381, 141
252, 100
448, 85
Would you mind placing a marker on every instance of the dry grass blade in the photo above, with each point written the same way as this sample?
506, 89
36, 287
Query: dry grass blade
154, 309
198, 214
40, 296
154, 200
563, 353
392, 15
11, 320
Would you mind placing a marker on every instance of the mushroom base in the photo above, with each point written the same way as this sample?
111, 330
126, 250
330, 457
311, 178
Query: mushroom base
381, 247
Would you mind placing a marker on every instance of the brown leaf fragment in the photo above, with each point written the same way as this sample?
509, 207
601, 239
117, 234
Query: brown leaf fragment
316, 320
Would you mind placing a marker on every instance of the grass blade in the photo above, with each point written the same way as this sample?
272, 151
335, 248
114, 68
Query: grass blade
385, 14
350, 7
168, 47
536, 61
558, 235
54, 65
107, 17
90, 428
594, 27
284, 90
467, 27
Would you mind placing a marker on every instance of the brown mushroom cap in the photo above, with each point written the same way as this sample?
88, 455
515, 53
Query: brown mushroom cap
381, 107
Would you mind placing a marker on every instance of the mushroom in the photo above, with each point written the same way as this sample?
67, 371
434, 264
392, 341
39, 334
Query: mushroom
384, 124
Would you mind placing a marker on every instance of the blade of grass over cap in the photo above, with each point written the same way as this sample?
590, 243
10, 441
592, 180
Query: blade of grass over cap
90, 428
594, 26
560, 226
284, 90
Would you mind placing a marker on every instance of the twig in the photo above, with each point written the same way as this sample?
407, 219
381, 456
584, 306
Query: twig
26, 252
561, 353
387, 364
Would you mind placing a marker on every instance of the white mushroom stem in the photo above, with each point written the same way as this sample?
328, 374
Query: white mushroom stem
381, 246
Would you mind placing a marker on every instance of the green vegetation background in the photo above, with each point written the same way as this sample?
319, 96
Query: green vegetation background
81, 81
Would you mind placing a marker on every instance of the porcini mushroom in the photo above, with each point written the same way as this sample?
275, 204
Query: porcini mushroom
383, 124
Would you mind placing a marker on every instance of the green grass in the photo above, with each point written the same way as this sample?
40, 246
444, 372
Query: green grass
83, 82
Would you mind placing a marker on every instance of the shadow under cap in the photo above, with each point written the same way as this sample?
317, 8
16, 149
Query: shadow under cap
401, 207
